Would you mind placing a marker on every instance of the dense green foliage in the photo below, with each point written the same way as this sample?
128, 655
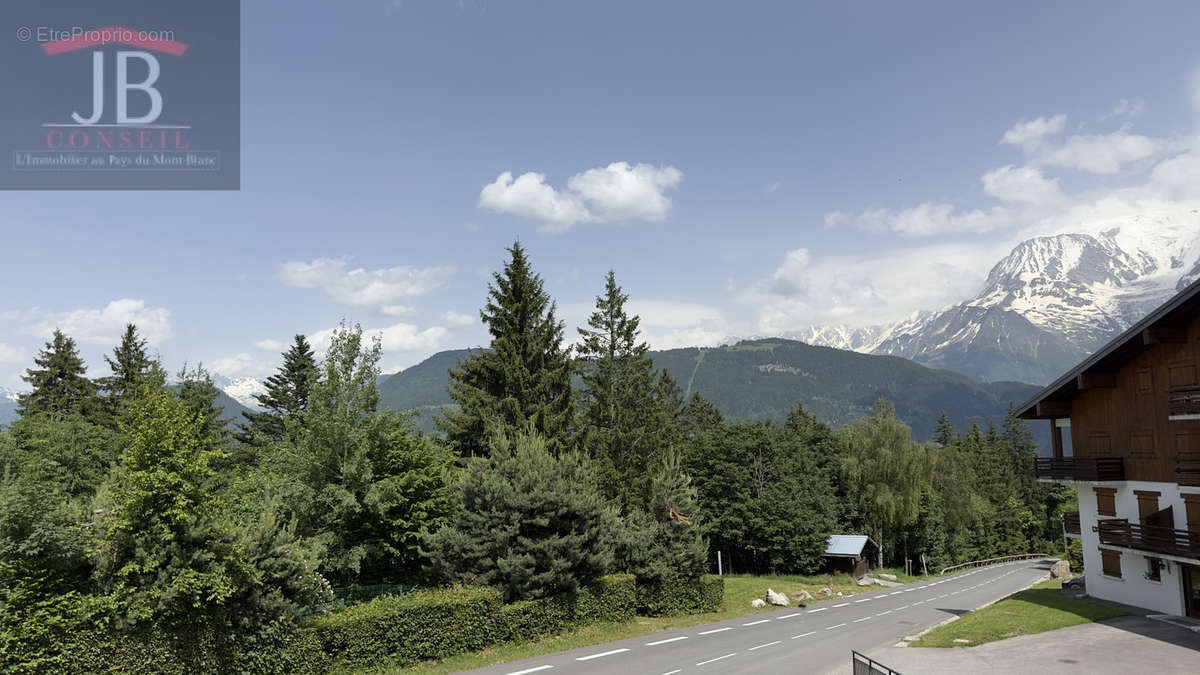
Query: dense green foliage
527, 522
524, 379
681, 596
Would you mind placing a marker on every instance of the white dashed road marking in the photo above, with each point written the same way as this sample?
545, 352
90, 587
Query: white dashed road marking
716, 630
842, 604
601, 655
819, 609
702, 663
882, 613
672, 672
860, 620
663, 642
766, 645
534, 670
788, 616
755, 623
835, 626
797, 637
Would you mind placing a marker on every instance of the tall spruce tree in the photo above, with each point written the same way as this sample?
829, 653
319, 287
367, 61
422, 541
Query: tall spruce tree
621, 422
524, 380
198, 395
132, 368
286, 395
59, 384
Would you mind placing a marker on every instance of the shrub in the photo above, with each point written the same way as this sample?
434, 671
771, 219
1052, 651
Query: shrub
416, 627
672, 597
609, 599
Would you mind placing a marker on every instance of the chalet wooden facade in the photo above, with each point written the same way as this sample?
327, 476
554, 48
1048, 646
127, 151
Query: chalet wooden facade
1126, 432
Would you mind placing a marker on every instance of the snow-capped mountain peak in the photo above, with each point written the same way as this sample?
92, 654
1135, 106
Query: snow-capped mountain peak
241, 389
1046, 304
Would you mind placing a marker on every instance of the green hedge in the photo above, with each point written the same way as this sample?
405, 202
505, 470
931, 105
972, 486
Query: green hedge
415, 627
609, 599
674, 597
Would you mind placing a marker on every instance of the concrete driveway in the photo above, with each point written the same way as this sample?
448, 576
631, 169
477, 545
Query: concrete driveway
1128, 644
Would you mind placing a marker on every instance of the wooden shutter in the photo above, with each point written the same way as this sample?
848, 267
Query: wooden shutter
1106, 501
1147, 503
1192, 503
1110, 563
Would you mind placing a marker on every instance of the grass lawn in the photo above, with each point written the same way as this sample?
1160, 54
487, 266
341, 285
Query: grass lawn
739, 591
1033, 610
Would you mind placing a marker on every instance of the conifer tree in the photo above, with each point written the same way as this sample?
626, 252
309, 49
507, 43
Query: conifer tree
59, 383
699, 415
525, 376
198, 395
666, 542
286, 394
132, 370
944, 434
621, 422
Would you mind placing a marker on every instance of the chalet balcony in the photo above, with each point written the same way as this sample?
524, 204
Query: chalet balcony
1071, 524
1183, 404
1149, 538
1080, 469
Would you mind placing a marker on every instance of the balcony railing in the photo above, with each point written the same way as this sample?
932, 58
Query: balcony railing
1183, 404
1149, 538
1071, 523
1082, 468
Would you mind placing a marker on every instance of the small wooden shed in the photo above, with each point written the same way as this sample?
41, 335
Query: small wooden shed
849, 554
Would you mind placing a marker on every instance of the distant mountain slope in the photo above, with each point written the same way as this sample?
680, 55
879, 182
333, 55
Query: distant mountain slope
1047, 304
231, 413
764, 379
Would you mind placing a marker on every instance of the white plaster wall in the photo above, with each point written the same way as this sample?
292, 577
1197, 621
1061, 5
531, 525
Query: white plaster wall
1132, 588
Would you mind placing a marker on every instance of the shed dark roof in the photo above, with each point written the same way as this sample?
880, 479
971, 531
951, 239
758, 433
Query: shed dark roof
1174, 313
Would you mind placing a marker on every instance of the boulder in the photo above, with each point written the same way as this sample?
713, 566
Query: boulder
1060, 570
802, 596
866, 581
825, 592
777, 599
758, 602
889, 577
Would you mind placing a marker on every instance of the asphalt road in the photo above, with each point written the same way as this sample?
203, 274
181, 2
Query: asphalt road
815, 639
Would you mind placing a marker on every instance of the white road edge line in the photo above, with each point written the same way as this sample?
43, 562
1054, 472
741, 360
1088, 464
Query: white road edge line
797, 637
716, 630
601, 654
531, 670
835, 626
766, 645
755, 623
716, 659
663, 642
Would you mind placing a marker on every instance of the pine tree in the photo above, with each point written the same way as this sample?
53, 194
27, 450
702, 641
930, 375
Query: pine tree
670, 395
621, 422
525, 376
132, 371
666, 542
699, 415
59, 384
198, 395
944, 434
286, 395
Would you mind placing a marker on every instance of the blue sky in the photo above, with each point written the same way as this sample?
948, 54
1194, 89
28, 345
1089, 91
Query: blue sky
746, 169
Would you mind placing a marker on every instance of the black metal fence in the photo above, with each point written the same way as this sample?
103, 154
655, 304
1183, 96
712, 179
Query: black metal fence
863, 665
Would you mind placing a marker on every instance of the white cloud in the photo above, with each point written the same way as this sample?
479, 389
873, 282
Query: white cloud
106, 325
400, 337
1030, 134
1103, 153
1021, 185
1126, 108
271, 345
861, 290
530, 197
666, 314
922, 220
457, 318
374, 289
772, 186
12, 354
239, 365
397, 310
616, 192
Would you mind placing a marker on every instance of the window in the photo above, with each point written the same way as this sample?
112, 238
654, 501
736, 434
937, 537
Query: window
1153, 569
1106, 501
1191, 502
1110, 563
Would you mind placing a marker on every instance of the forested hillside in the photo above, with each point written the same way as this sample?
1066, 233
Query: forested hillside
765, 379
